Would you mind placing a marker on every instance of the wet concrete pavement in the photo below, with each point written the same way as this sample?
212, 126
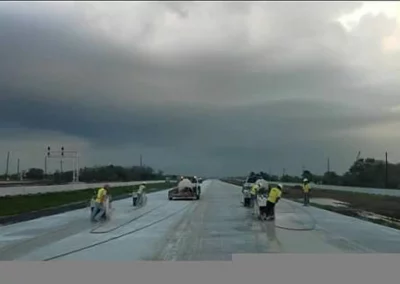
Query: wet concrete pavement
212, 228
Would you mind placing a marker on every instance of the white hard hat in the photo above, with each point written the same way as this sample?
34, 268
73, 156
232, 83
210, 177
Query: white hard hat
280, 186
305, 180
143, 182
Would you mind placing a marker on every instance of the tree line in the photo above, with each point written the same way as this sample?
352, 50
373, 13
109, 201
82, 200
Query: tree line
368, 172
110, 173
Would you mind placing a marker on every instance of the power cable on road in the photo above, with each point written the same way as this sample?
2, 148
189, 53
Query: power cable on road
119, 236
93, 231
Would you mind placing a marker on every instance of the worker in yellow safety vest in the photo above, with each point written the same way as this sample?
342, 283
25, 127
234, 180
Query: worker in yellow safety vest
306, 191
253, 192
274, 196
99, 208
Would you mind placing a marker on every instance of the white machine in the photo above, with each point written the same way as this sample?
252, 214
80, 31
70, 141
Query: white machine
138, 202
260, 206
107, 206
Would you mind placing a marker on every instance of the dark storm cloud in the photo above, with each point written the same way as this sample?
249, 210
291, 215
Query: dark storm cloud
289, 97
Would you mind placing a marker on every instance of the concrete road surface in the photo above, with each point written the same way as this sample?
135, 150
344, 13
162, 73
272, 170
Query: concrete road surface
213, 228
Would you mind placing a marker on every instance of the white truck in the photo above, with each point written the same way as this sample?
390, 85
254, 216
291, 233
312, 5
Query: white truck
188, 188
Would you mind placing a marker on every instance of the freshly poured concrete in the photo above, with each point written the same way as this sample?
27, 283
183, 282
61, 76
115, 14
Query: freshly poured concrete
212, 228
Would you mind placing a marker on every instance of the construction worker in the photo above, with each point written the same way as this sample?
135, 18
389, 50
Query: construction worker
274, 196
99, 208
306, 191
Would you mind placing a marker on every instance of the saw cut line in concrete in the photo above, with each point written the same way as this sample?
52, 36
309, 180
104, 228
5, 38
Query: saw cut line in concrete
119, 236
93, 231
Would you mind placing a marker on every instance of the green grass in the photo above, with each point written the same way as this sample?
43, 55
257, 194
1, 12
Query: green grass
18, 204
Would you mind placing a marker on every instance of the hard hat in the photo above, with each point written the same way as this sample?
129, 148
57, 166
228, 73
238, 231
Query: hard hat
305, 180
143, 182
280, 186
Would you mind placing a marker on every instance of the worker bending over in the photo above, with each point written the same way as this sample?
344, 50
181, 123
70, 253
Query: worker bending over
274, 196
99, 208
306, 192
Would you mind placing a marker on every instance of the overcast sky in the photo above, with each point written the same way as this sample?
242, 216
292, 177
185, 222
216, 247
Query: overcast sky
205, 88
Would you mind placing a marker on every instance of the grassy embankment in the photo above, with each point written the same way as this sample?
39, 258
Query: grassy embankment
358, 204
19, 204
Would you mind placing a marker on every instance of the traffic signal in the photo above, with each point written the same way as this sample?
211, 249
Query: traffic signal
62, 151
48, 151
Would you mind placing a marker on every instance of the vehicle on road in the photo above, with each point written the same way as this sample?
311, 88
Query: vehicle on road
248, 184
250, 181
187, 188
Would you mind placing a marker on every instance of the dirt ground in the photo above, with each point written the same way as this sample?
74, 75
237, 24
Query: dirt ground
383, 205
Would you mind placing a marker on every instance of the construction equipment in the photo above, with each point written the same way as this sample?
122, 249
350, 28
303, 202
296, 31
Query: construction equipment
188, 188
138, 201
246, 197
246, 188
250, 181
260, 206
107, 206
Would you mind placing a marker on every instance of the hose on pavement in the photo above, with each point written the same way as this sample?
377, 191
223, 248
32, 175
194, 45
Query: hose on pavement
93, 231
119, 236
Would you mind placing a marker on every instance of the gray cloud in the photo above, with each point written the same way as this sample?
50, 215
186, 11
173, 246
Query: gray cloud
251, 85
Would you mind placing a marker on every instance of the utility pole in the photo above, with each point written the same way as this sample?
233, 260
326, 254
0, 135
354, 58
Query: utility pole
328, 165
19, 176
77, 168
141, 161
7, 163
64, 154
386, 169
45, 167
